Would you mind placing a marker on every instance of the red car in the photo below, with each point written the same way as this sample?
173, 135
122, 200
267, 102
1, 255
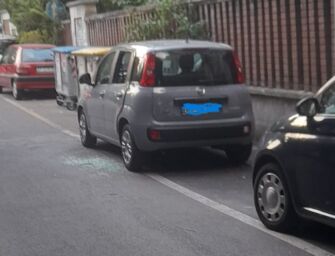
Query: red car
27, 67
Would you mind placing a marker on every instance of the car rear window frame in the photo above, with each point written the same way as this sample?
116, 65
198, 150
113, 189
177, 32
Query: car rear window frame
192, 50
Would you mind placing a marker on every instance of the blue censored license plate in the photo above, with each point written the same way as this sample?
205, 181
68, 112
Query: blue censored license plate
193, 109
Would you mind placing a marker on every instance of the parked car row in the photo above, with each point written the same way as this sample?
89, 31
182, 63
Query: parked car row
154, 95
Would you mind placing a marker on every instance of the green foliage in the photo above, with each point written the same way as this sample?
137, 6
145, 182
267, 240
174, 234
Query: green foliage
34, 14
31, 20
35, 36
33, 23
168, 21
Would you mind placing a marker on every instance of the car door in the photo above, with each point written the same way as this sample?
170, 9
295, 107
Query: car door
7, 67
95, 104
315, 158
115, 93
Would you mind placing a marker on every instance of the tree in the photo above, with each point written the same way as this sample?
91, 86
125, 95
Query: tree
29, 16
34, 24
32, 20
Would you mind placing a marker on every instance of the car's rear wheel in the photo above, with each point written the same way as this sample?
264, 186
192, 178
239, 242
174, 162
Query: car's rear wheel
272, 199
87, 139
17, 93
132, 157
59, 100
0, 89
238, 154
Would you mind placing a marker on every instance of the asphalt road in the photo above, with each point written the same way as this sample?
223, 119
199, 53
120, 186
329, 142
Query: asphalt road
59, 198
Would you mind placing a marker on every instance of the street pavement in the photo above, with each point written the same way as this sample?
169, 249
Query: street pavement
59, 198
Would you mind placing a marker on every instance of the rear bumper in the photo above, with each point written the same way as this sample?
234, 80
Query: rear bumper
35, 82
207, 133
174, 136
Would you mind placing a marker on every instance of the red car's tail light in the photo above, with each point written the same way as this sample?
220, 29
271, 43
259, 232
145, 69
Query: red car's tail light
148, 76
23, 70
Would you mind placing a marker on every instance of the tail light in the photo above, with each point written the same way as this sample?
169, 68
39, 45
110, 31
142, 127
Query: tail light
154, 135
148, 76
23, 70
239, 73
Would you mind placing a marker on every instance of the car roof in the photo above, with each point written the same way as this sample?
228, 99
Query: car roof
175, 44
325, 86
33, 46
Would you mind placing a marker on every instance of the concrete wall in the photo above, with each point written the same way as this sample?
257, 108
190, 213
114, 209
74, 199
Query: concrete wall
65, 36
271, 104
79, 10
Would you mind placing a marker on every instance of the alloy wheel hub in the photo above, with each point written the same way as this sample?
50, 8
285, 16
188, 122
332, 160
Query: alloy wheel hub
82, 126
126, 146
271, 197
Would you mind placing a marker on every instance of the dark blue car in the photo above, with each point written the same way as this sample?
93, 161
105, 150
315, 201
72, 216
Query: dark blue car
294, 171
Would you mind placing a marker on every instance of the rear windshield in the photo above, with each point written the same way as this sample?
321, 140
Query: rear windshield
37, 55
194, 67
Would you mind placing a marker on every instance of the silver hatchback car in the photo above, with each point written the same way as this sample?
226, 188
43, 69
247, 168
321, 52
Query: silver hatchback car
163, 94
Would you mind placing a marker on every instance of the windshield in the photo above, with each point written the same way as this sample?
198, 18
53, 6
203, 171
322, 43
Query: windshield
37, 55
194, 67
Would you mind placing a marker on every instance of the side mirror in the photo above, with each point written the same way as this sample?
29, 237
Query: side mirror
85, 79
308, 107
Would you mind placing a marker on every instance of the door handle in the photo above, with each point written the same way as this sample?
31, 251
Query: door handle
102, 94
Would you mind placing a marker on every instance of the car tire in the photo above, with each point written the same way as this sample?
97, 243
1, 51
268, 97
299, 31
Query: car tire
59, 101
238, 154
17, 93
272, 199
71, 106
0, 89
132, 157
86, 138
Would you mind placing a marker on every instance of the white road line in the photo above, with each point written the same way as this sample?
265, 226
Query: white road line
41, 118
294, 241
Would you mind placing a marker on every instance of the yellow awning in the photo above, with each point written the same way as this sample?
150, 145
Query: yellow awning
92, 51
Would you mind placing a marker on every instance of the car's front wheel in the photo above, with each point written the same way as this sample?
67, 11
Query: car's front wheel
132, 157
0, 89
17, 93
87, 139
272, 199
